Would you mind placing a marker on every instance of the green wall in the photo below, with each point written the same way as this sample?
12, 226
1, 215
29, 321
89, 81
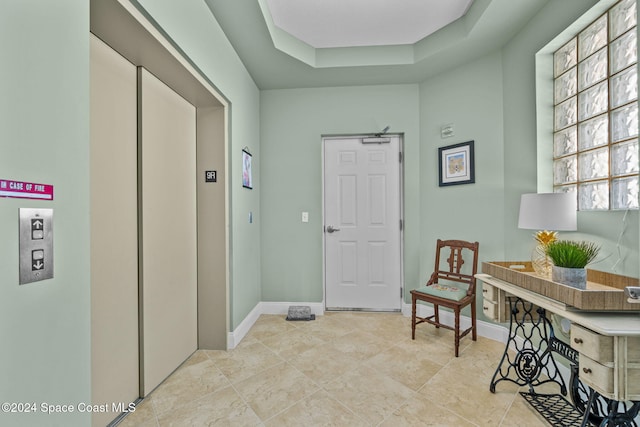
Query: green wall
491, 100
615, 232
292, 124
191, 25
469, 97
44, 138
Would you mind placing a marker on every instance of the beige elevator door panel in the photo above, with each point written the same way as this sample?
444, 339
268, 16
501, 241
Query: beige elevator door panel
114, 230
168, 229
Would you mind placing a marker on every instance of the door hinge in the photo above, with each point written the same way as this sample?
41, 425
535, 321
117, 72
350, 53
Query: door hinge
400, 155
401, 225
401, 292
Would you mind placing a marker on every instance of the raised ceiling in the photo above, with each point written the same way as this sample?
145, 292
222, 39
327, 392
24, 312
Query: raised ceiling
340, 23
278, 59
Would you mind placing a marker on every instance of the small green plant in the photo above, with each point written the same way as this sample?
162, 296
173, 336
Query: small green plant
571, 254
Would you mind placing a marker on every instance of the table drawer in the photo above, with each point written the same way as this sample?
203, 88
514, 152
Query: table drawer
597, 376
602, 379
489, 292
593, 345
633, 350
633, 383
490, 309
496, 306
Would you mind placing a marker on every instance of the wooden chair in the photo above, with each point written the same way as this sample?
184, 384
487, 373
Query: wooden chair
449, 287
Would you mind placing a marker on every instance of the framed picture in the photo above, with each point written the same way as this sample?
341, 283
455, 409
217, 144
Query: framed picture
455, 164
247, 179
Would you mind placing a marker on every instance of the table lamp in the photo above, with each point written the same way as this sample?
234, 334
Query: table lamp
548, 213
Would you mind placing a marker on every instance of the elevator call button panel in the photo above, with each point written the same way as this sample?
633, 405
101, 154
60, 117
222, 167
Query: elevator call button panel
36, 245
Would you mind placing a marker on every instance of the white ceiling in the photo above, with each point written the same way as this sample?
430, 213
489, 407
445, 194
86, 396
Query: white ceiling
345, 23
276, 59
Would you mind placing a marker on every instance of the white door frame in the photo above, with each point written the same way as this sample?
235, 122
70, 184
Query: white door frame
400, 135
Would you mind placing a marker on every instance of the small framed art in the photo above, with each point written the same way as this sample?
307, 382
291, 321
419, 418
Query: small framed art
247, 179
456, 164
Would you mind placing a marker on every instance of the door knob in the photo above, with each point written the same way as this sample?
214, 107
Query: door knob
330, 229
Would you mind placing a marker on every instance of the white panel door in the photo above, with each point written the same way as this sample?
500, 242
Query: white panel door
168, 229
362, 224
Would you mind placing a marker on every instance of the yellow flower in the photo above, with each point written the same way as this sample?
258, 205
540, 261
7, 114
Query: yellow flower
545, 237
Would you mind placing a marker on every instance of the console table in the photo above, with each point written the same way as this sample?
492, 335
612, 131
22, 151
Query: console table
604, 349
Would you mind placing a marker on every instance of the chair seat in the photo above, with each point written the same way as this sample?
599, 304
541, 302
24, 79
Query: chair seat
440, 290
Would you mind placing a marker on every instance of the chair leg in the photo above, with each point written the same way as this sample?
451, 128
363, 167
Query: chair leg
474, 334
436, 315
457, 330
413, 317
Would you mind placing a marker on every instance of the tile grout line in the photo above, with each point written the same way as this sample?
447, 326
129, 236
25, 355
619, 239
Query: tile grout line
231, 385
513, 399
323, 389
287, 349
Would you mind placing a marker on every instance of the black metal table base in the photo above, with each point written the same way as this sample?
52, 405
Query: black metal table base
533, 364
531, 336
554, 408
603, 412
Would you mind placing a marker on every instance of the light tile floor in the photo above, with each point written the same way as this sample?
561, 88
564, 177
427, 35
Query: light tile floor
342, 369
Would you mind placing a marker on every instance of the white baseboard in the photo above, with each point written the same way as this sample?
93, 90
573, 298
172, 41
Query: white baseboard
491, 330
494, 331
234, 338
236, 335
317, 308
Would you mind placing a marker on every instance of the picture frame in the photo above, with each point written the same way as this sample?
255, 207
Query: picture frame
456, 164
247, 177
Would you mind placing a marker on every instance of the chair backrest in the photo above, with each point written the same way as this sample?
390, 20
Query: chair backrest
456, 252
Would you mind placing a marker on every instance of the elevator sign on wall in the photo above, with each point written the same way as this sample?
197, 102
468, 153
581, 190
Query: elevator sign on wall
25, 190
210, 176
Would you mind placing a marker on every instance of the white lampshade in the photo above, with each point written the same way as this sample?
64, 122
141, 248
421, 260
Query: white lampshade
548, 211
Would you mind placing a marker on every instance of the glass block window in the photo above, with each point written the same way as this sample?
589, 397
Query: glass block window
595, 140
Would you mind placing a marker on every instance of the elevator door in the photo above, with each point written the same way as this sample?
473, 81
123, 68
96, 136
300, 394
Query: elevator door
114, 231
168, 243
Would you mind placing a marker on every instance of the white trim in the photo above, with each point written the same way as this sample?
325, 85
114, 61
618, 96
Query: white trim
493, 331
243, 328
238, 334
317, 308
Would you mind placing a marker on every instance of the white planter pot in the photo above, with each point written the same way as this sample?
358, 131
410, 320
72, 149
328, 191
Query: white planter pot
575, 277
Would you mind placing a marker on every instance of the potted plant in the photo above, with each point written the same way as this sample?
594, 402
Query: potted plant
570, 259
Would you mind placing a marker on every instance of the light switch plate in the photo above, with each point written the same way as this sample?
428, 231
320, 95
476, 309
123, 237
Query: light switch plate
305, 216
36, 245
